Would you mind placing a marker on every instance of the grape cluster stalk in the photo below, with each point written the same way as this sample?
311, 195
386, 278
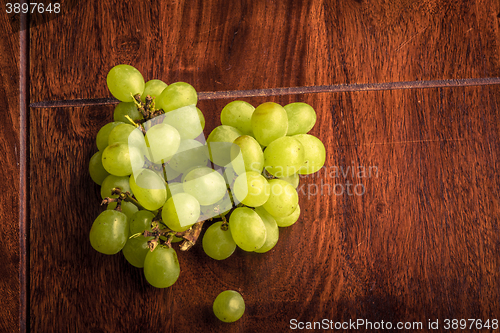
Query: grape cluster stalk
162, 181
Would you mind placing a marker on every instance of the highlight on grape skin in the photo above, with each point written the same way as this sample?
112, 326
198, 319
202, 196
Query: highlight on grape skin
164, 182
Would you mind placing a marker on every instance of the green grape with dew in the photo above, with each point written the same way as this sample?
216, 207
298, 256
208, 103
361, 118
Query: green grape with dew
251, 189
161, 267
124, 82
96, 170
186, 120
246, 155
113, 181
217, 243
120, 159
269, 122
175, 96
103, 134
287, 221
163, 141
283, 198
301, 118
238, 114
220, 142
141, 221
206, 185
135, 250
229, 306
109, 232
128, 208
247, 229
149, 189
180, 212
314, 153
127, 109
284, 157
173, 188
272, 230
126, 133
191, 153
153, 88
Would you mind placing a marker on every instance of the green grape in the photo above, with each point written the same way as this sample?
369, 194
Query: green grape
186, 121
314, 153
96, 170
247, 155
272, 230
294, 179
149, 189
229, 306
161, 267
124, 82
175, 96
191, 153
238, 114
128, 134
183, 176
180, 212
153, 88
120, 159
251, 189
128, 208
141, 221
247, 229
206, 185
284, 157
202, 118
169, 173
218, 244
127, 109
135, 250
163, 141
283, 198
220, 142
103, 134
301, 118
111, 182
109, 232
269, 122
288, 220
220, 208
173, 188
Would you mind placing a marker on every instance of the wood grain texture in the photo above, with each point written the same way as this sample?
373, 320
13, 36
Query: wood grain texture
421, 243
9, 186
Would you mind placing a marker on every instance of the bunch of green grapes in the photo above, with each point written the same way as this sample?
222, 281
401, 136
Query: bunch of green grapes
162, 180
150, 141
267, 149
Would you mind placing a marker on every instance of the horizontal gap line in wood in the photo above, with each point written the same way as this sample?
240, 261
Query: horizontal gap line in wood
356, 87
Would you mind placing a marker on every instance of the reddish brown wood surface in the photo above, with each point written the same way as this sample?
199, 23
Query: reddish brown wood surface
422, 242
9, 186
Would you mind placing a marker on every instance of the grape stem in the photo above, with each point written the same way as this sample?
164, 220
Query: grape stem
267, 175
190, 236
107, 201
147, 109
123, 196
225, 225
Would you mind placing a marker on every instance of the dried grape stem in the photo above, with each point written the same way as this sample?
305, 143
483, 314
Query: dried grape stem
107, 201
190, 236
267, 175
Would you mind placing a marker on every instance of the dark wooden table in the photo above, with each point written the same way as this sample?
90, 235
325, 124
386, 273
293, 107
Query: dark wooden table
420, 243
